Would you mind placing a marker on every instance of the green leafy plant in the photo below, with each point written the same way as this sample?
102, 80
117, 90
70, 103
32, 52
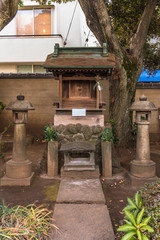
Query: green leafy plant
2, 106
114, 132
136, 226
50, 134
107, 135
21, 223
134, 131
1, 135
151, 200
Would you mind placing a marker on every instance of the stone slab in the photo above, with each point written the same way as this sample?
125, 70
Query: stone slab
82, 222
80, 174
80, 190
6, 181
139, 182
90, 120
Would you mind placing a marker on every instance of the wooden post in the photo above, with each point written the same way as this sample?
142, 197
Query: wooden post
60, 91
97, 103
52, 163
106, 159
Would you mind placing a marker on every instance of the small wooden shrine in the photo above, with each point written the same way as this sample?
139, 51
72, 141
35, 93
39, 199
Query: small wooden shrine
80, 72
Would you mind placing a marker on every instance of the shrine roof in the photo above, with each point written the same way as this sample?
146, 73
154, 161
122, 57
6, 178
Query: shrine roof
80, 58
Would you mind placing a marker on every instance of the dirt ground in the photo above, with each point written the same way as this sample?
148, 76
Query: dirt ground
44, 191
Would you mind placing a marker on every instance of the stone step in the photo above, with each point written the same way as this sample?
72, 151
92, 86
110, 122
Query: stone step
82, 222
80, 212
82, 172
80, 190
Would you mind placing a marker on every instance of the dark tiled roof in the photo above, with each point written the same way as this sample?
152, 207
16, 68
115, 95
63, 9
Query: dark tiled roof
25, 75
79, 62
148, 85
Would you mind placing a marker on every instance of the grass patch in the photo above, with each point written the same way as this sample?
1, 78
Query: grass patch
25, 223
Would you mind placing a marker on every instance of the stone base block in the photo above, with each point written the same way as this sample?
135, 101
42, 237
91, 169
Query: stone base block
82, 173
139, 182
6, 181
18, 170
91, 119
143, 169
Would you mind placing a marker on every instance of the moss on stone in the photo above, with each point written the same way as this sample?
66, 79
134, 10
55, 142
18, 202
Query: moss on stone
51, 191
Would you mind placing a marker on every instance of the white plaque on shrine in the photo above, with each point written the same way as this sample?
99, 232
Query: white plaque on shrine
79, 112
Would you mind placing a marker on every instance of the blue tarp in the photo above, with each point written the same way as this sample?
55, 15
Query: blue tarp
145, 77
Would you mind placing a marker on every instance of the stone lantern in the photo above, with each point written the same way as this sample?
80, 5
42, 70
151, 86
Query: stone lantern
142, 166
18, 169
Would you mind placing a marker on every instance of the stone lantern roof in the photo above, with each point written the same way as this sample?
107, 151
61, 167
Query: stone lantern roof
20, 104
143, 105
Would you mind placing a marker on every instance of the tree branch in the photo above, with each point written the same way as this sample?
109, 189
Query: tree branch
99, 22
138, 40
8, 9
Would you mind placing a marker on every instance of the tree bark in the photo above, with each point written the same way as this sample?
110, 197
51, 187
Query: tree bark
8, 9
128, 65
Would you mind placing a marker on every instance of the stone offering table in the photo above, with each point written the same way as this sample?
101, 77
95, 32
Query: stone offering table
78, 156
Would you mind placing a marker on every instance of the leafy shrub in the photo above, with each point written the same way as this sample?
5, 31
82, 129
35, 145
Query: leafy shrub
50, 134
151, 201
114, 132
1, 135
25, 223
136, 226
134, 131
107, 135
2, 106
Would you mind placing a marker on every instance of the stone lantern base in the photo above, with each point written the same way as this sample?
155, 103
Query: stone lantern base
143, 169
142, 172
17, 174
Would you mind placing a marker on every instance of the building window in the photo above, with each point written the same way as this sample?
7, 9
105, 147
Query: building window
30, 69
34, 22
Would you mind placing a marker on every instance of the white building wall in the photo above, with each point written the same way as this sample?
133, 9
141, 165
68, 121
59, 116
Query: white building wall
35, 49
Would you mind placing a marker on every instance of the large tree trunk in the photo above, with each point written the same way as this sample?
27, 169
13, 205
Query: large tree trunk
8, 9
128, 65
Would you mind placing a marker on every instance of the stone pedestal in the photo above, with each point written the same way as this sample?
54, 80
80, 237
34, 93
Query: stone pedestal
142, 167
19, 169
106, 159
52, 163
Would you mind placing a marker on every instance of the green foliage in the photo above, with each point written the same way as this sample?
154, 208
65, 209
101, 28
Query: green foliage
136, 226
50, 134
151, 200
1, 149
126, 15
114, 138
1, 135
134, 131
107, 135
21, 3
2, 106
25, 223
152, 58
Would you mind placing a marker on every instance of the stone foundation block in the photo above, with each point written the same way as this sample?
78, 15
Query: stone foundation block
17, 170
80, 174
139, 182
143, 169
6, 181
